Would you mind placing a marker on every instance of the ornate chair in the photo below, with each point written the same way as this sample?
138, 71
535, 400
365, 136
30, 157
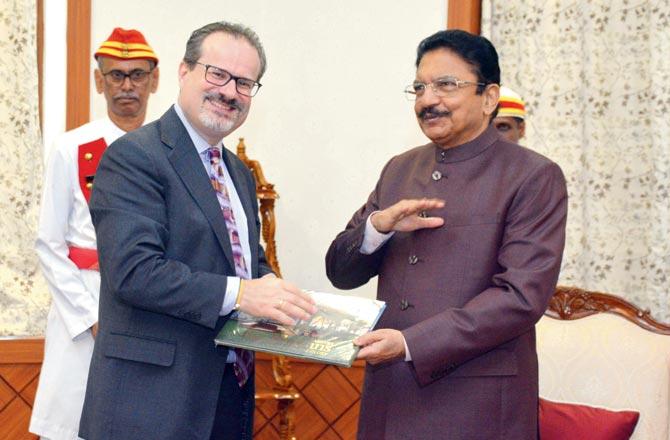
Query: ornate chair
599, 350
282, 389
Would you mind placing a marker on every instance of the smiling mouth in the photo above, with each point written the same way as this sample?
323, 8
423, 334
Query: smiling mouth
220, 103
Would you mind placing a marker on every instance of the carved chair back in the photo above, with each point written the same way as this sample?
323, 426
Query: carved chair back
598, 349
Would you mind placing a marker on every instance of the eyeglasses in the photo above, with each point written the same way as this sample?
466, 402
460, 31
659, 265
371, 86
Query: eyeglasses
219, 77
138, 76
441, 87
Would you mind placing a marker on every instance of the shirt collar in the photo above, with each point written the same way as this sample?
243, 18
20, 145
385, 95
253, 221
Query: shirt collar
200, 143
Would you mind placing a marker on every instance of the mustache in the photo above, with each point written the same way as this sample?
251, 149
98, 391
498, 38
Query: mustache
432, 111
232, 102
127, 95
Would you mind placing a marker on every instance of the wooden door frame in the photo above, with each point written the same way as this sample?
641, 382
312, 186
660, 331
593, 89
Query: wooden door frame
78, 63
465, 15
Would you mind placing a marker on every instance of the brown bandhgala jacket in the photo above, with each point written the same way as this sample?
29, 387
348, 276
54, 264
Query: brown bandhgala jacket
466, 295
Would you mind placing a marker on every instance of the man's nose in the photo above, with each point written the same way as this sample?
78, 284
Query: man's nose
229, 89
126, 84
428, 97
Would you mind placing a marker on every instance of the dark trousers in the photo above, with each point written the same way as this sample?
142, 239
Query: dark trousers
235, 409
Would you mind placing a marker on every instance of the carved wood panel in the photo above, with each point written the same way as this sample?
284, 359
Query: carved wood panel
20, 363
328, 405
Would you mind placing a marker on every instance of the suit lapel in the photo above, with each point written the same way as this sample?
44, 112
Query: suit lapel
188, 165
250, 206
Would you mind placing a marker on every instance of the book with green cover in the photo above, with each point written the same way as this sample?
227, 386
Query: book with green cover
327, 337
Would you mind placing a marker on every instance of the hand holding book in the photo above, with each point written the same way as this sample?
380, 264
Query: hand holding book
274, 298
327, 336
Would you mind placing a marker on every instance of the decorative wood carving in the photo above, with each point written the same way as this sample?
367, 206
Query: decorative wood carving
283, 389
266, 195
570, 303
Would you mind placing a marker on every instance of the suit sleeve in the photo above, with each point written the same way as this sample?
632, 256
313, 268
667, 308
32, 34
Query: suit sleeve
130, 215
346, 266
74, 302
530, 257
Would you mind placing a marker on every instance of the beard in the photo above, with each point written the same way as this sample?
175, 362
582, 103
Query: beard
216, 123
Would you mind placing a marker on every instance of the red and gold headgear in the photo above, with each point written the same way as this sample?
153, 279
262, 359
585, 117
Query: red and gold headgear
511, 104
125, 44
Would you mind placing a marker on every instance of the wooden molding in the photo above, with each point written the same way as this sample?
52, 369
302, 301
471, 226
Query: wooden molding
78, 62
465, 15
569, 303
21, 350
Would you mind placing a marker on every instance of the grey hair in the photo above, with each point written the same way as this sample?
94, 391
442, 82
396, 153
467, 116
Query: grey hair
194, 43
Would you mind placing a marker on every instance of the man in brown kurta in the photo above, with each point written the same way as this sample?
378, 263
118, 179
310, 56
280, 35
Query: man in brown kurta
466, 235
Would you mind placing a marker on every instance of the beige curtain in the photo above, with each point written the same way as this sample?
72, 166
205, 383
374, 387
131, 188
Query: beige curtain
23, 293
596, 79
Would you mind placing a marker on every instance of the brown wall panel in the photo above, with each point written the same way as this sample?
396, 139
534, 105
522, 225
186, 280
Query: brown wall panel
465, 15
78, 62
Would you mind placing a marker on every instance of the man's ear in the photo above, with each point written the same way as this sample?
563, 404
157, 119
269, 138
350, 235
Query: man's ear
99, 81
491, 95
183, 70
155, 76
522, 128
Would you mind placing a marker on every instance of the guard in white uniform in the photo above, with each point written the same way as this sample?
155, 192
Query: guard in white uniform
127, 74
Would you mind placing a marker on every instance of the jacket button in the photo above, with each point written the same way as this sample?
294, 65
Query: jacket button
404, 305
89, 185
436, 175
413, 259
88, 156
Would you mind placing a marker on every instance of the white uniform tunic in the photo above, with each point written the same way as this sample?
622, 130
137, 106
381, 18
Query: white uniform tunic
65, 221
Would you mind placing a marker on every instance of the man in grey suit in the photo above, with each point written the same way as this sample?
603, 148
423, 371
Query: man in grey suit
466, 235
178, 237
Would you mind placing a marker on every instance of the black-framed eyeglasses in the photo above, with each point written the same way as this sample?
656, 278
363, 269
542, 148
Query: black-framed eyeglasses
441, 87
117, 77
220, 77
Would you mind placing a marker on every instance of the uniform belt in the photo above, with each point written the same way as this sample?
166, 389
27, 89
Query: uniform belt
84, 258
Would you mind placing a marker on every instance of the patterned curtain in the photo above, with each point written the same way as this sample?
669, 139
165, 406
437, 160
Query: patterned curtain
595, 75
23, 293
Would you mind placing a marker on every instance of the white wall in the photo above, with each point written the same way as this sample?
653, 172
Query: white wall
331, 110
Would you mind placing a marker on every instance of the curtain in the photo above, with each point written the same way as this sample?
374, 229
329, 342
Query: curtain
23, 293
595, 76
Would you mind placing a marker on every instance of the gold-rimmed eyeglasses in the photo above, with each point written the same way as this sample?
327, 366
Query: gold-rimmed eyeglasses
441, 87
220, 77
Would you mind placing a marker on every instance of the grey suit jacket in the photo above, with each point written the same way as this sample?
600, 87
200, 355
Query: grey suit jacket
466, 295
164, 256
